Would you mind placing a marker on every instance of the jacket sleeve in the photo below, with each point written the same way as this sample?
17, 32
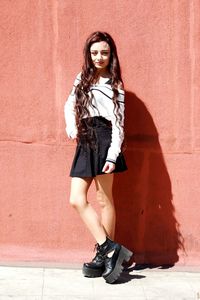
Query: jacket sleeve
69, 112
117, 136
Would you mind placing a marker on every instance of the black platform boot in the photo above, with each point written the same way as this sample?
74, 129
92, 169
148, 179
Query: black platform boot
96, 267
113, 264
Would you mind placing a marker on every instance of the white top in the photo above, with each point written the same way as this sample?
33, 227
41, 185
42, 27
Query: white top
102, 105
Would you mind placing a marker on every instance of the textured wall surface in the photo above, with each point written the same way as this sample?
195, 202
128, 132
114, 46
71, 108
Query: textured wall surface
157, 199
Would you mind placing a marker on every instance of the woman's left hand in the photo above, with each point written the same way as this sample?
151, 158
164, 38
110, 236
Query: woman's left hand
108, 167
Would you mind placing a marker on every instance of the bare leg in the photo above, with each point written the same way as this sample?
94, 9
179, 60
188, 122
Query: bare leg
78, 199
104, 185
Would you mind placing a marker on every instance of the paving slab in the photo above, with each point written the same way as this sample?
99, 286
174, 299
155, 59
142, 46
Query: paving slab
53, 283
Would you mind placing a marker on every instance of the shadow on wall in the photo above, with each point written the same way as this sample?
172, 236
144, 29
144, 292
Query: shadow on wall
146, 223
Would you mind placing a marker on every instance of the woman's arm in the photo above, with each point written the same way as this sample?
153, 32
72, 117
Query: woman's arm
117, 136
69, 111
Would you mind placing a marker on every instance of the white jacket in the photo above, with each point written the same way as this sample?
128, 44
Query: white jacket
102, 105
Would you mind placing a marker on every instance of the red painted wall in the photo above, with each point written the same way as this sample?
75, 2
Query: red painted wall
157, 199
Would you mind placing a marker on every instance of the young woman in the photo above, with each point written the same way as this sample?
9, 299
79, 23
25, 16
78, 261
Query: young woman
94, 115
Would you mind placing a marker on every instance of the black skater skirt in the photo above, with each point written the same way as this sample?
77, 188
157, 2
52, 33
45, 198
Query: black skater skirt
89, 159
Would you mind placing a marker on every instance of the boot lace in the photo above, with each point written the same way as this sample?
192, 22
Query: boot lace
98, 250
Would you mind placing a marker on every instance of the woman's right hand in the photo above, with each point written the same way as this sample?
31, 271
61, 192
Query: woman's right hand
72, 134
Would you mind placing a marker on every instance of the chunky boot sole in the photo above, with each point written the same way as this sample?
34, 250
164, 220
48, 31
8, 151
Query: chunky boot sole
89, 272
124, 255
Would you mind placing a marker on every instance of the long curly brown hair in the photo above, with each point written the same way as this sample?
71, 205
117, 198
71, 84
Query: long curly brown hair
88, 77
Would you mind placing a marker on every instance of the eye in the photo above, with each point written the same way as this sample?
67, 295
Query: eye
94, 53
105, 53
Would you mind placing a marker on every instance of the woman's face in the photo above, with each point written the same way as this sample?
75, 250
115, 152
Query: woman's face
100, 55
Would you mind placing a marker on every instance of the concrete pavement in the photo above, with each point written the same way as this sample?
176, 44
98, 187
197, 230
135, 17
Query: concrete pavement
53, 283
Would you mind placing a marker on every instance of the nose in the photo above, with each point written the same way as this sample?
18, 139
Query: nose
99, 56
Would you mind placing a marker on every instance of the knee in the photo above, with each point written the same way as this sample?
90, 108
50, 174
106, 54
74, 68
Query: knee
103, 200
77, 203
